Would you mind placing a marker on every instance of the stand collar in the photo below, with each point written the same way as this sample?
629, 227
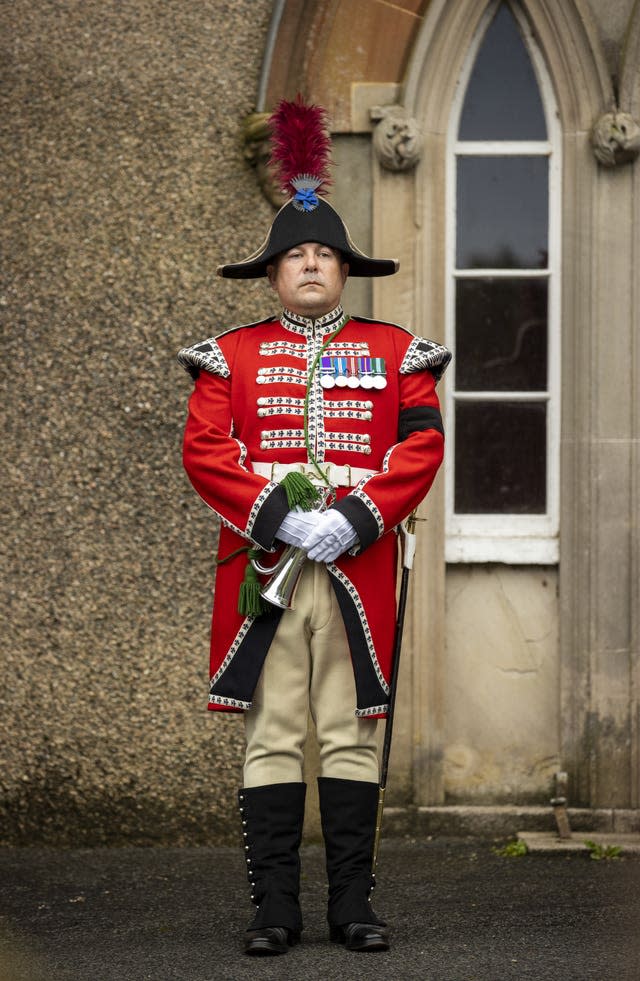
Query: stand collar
308, 325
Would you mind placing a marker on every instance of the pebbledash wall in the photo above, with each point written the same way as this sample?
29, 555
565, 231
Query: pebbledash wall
125, 185
130, 132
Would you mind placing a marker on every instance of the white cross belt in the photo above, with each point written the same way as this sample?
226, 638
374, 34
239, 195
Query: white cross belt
337, 475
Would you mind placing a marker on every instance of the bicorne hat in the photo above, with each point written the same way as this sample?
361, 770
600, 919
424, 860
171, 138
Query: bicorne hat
300, 151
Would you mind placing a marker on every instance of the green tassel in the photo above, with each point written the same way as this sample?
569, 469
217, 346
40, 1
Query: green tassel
300, 491
250, 602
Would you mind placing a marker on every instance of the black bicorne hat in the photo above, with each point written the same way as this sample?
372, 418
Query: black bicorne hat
300, 151
292, 227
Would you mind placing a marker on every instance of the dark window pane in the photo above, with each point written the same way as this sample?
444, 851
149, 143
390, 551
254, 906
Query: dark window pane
500, 458
502, 100
502, 212
501, 335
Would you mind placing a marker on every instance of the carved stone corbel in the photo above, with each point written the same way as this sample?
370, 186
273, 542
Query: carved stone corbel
396, 138
257, 150
615, 138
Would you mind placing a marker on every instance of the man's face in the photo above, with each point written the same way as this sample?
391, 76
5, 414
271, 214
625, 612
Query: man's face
309, 279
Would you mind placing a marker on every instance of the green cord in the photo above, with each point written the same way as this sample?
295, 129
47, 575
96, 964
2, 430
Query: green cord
238, 551
314, 364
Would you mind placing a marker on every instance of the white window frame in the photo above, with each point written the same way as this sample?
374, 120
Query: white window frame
509, 538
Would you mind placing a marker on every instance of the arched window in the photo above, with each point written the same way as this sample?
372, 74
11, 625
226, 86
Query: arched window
503, 302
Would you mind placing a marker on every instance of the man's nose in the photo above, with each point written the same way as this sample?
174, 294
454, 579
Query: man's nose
311, 261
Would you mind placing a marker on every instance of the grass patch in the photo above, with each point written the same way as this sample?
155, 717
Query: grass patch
513, 849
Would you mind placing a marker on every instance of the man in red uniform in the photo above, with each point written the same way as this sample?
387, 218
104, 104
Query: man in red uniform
310, 403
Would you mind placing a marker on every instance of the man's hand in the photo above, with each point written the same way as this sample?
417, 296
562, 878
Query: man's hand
332, 535
297, 525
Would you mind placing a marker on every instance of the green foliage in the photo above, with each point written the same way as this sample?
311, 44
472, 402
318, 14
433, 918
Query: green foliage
513, 849
601, 853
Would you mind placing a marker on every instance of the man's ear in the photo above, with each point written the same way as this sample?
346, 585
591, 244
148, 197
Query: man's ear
345, 272
271, 276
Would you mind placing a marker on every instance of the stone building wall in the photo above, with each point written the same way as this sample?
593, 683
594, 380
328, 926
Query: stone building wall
124, 186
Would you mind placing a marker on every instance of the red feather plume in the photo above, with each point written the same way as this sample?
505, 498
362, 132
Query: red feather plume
300, 143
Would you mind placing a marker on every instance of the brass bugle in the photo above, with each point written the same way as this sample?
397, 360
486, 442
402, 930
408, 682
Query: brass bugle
284, 574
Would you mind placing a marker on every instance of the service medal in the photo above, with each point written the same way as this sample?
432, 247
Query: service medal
352, 378
364, 371
327, 379
341, 372
379, 376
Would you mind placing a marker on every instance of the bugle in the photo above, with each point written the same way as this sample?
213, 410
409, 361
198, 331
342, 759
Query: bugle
284, 575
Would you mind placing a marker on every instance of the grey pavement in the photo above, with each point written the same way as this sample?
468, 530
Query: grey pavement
459, 912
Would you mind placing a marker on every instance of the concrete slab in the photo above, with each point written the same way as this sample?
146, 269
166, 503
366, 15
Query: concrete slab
548, 841
495, 821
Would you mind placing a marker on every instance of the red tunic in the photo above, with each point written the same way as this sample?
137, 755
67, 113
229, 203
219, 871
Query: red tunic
247, 407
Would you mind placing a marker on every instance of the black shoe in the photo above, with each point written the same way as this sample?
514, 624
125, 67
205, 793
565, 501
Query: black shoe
361, 936
270, 940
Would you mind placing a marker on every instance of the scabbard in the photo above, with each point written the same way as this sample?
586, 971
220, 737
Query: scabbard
407, 564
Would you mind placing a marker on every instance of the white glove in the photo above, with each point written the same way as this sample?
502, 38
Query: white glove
333, 534
297, 525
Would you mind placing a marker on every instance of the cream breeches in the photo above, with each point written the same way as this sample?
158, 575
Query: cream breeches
308, 669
